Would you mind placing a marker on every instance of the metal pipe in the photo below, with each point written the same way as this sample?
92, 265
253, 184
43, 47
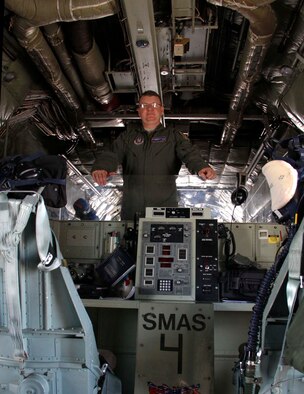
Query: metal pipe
42, 12
32, 39
100, 116
30, 14
55, 38
263, 23
89, 60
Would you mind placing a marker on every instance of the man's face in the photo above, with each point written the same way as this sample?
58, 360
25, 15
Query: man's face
150, 110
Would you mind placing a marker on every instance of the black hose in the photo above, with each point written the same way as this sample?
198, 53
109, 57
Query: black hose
262, 298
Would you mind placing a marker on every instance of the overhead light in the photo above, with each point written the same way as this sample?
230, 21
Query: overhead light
164, 70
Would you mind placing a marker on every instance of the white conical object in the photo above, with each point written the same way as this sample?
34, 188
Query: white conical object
282, 180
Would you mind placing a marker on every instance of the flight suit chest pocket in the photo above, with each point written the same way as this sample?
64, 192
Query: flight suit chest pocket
160, 146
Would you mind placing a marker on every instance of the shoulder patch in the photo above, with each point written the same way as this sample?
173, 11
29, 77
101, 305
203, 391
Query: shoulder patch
138, 140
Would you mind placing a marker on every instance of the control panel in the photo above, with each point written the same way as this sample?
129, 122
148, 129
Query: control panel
177, 259
178, 212
206, 251
83, 240
165, 259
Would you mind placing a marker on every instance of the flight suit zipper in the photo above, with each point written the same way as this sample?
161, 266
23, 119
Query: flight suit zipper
147, 146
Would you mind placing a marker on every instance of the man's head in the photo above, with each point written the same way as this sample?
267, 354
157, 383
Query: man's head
150, 109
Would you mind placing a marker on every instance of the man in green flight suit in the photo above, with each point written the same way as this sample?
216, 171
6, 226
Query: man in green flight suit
151, 157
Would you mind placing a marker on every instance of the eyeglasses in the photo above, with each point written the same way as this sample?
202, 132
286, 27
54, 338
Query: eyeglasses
150, 105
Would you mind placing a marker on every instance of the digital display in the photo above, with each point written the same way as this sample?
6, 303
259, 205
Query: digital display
166, 259
162, 233
166, 250
165, 265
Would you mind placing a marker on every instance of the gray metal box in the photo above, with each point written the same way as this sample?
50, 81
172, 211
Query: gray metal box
244, 235
81, 239
269, 239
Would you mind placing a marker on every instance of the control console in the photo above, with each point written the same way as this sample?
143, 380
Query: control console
177, 259
164, 267
206, 252
178, 212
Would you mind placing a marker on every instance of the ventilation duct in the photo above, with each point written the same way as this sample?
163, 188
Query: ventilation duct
32, 39
30, 16
55, 38
283, 92
263, 24
45, 12
89, 61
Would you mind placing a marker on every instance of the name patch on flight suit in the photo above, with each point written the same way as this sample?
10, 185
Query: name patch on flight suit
159, 139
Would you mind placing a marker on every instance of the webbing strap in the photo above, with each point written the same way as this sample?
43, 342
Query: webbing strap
14, 216
47, 245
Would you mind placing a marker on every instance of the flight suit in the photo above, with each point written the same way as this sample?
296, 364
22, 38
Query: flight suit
150, 162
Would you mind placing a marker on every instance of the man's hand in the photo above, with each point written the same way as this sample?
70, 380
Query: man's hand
101, 176
207, 173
